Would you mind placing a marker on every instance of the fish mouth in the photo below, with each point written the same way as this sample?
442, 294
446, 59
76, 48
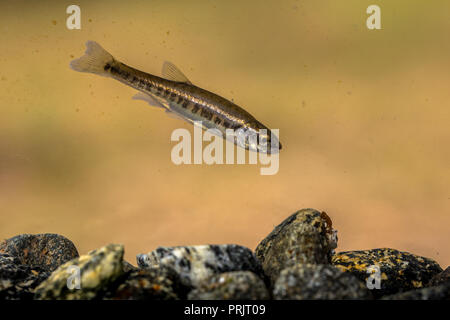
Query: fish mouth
270, 149
272, 146
261, 140
275, 150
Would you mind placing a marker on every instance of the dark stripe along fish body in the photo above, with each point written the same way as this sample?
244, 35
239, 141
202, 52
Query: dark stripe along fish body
177, 94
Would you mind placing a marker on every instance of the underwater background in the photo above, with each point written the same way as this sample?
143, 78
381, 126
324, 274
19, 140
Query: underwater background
363, 117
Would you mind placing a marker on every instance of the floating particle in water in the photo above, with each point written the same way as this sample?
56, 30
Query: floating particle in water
54, 22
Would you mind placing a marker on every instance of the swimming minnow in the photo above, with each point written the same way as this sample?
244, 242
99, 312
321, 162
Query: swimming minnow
175, 93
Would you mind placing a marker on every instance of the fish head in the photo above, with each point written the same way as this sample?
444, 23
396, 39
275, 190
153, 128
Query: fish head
257, 137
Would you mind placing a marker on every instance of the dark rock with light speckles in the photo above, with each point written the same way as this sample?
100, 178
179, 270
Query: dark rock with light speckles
318, 282
440, 292
399, 271
305, 237
98, 270
440, 278
17, 281
292, 262
196, 263
237, 285
47, 251
128, 267
148, 284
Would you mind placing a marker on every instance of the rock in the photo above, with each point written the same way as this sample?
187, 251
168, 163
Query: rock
440, 278
194, 264
236, 285
312, 281
399, 271
440, 292
98, 269
128, 267
47, 251
148, 284
18, 281
305, 237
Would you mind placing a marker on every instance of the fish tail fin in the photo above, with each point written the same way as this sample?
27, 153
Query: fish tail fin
94, 60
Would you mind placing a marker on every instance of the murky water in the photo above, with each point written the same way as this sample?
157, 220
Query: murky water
363, 118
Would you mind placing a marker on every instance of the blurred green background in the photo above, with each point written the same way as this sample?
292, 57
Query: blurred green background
363, 117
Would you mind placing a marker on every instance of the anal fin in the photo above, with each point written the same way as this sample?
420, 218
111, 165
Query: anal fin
159, 103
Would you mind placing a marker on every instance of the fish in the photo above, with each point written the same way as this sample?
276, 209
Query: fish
176, 94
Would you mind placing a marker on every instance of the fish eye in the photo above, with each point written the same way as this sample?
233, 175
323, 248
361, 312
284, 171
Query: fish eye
263, 139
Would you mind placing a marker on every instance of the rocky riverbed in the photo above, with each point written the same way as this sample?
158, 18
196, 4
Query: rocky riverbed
297, 260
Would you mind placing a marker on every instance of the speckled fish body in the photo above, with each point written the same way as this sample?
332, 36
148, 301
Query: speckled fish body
177, 95
187, 100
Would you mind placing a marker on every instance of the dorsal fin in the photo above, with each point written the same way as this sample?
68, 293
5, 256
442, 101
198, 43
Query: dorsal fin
171, 72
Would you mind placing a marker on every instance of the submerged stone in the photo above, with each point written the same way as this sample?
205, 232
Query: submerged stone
440, 292
128, 267
47, 251
97, 270
318, 282
440, 278
196, 263
148, 284
17, 281
398, 271
236, 285
306, 237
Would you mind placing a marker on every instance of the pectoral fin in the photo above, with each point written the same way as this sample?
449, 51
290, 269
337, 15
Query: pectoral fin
149, 99
154, 102
174, 115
